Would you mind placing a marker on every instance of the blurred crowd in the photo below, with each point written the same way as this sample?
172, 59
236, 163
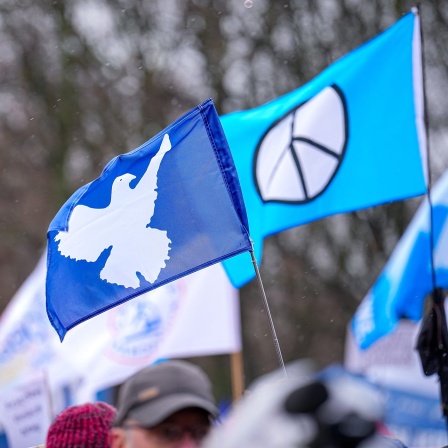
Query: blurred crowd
171, 404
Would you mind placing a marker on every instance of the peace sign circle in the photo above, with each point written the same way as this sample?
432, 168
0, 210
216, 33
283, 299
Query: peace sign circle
299, 155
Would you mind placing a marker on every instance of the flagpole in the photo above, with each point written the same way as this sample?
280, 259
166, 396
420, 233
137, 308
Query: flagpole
428, 160
236, 370
437, 295
268, 312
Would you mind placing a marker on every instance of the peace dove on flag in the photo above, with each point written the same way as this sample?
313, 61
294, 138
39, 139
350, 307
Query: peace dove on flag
128, 233
168, 208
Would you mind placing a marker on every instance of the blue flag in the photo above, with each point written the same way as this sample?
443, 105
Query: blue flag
167, 209
351, 138
406, 280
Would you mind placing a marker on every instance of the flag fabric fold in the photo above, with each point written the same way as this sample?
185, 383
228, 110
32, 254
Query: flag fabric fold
196, 315
406, 280
167, 209
351, 138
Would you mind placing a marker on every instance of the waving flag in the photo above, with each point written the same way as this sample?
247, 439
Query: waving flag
195, 315
351, 138
27, 342
162, 211
406, 280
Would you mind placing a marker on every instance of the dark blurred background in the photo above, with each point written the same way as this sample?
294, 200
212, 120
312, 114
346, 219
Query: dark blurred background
84, 80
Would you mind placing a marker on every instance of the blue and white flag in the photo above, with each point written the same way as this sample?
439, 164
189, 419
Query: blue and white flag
406, 280
169, 208
351, 138
196, 315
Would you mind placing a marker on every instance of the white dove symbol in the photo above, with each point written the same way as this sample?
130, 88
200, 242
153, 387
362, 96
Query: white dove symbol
122, 225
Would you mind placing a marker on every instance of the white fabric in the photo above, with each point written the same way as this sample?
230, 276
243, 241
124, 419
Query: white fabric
194, 316
25, 412
392, 361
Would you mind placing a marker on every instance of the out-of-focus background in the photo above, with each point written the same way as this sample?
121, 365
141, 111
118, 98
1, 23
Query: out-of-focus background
85, 80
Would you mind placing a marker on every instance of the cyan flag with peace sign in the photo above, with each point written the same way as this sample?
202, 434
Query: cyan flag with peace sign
351, 138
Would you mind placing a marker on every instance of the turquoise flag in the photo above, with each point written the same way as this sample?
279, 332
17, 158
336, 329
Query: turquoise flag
407, 279
351, 138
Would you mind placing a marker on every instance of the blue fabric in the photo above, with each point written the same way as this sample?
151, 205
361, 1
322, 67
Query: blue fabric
379, 161
417, 418
406, 280
198, 214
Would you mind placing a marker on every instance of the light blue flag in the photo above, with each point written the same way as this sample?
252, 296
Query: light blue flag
162, 211
406, 280
351, 138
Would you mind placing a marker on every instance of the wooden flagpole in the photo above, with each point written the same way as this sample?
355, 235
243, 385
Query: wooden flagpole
237, 375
